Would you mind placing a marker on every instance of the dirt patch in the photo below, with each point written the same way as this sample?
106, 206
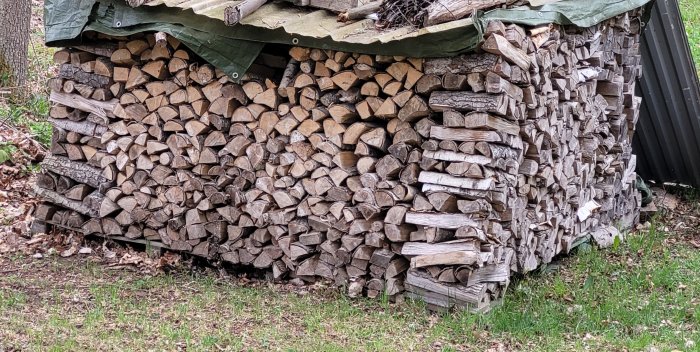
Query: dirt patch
679, 210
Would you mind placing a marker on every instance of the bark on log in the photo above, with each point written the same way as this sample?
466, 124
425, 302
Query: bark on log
450, 10
103, 109
84, 127
235, 14
79, 172
59, 199
68, 71
468, 101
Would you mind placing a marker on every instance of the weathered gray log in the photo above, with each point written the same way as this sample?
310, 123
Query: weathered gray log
59, 199
442, 221
331, 5
289, 72
420, 248
469, 295
499, 273
360, 12
464, 135
468, 101
234, 14
442, 11
497, 44
102, 109
83, 127
463, 64
76, 74
137, 3
459, 182
102, 48
79, 172
449, 258
477, 120
446, 155
442, 303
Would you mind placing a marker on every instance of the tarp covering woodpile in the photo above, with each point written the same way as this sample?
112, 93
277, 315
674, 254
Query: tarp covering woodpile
336, 158
233, 48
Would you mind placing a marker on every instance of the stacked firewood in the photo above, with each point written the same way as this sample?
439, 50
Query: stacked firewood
436, 177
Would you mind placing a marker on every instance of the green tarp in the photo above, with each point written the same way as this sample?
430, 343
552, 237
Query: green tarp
233, 49
63, 28
571, 12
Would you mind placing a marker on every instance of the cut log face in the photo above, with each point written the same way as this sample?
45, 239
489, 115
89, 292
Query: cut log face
433, 178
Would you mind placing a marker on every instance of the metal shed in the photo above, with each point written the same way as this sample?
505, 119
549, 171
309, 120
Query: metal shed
668, 133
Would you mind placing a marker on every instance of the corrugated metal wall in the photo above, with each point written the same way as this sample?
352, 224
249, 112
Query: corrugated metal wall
667, 141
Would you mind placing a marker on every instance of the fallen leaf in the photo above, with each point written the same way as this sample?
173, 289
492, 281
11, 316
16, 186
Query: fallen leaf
68, 252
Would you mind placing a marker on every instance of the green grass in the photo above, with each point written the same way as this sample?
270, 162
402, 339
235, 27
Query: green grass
690, 10
29, 113
6, 151
644, 293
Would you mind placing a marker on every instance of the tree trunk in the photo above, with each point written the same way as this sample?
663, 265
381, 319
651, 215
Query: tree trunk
14, 26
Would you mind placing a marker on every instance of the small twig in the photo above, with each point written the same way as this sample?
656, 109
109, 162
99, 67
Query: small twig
4, 122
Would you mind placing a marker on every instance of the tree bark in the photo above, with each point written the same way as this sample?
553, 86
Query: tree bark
14, 40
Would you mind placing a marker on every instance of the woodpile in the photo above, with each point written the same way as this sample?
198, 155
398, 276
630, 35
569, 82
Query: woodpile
431, 178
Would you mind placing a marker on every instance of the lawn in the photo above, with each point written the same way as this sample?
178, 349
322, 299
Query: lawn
690, 10
642, 294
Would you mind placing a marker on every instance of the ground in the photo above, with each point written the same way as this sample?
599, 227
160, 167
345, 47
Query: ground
642, 295
59, 292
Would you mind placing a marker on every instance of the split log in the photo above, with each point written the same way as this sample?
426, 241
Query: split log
234, 14
60, 200
450, 10
77, 171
